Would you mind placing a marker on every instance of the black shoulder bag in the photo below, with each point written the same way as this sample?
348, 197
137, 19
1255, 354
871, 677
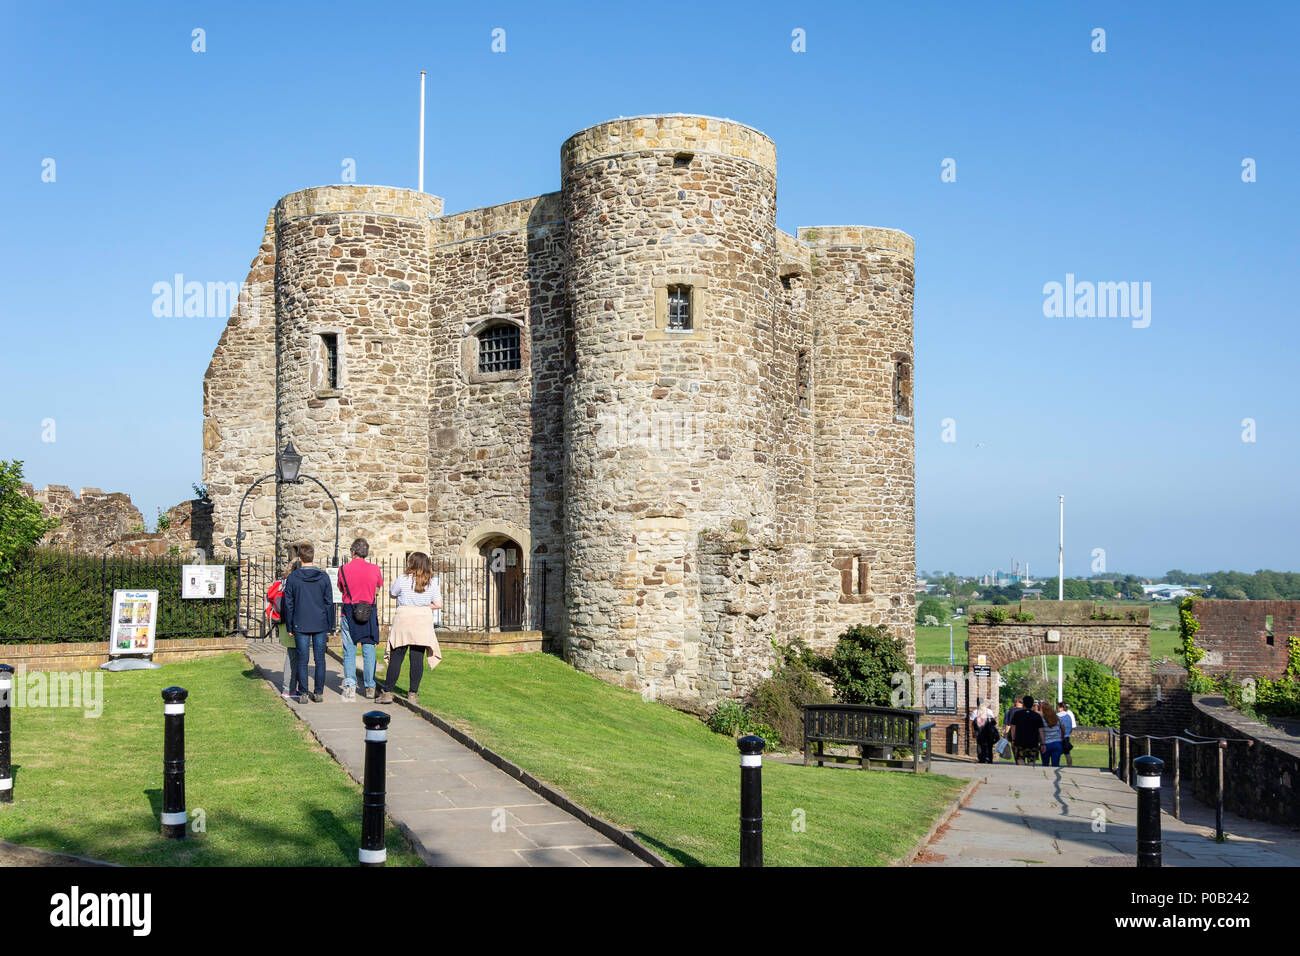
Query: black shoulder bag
360, 612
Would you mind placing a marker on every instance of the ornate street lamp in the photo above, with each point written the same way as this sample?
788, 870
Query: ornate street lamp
288, 471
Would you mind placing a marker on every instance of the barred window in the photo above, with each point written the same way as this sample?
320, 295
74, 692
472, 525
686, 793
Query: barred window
679, 308
498, 349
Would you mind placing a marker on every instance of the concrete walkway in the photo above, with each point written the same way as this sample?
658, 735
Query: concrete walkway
1050, 816
455, 807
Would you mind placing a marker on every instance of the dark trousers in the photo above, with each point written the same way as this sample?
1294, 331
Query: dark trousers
314, 645
984, 750
395, 657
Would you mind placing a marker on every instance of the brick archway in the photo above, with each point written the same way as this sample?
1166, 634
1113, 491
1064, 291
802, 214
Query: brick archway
1082, 629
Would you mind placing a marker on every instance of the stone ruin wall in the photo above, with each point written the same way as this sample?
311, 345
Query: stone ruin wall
99, 523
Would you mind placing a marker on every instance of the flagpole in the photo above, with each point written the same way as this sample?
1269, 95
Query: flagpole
421, 131
1060, 596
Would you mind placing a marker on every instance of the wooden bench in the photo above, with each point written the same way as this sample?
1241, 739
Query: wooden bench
866, 727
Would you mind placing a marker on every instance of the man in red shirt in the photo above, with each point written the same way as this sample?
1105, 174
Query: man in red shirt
359, 580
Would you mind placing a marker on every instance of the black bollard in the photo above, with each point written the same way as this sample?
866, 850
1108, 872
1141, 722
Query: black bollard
1146, 773
6, 708
174, 819
751, 800
373, 852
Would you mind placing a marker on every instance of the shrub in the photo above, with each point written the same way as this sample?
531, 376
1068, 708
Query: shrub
22, 523
779, 701
1093, 695
733, 718
929, 608
863, 665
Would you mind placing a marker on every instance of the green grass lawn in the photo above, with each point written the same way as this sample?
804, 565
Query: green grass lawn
668, 778
270, 795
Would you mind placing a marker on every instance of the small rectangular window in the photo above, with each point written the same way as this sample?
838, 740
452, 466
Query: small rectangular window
679, 308
1268, 629
498, 349
330, 357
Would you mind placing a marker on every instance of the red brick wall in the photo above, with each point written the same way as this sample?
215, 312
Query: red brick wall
1234, 639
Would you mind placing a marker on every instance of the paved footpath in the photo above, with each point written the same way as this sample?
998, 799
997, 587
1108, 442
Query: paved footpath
445, 796
1050, 816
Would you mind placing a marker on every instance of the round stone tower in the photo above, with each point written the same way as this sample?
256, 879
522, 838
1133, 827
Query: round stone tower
673, 283
863, 451
352, 365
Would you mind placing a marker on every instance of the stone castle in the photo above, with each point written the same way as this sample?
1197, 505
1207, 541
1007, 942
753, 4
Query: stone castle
706, 421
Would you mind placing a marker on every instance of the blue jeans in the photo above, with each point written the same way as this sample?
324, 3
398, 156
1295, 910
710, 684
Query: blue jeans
1052, 756
313, 644
350, 657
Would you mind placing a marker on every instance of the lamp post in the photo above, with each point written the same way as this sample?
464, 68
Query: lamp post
288, 471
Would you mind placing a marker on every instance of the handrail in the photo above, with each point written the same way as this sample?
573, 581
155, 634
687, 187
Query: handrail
1221, 746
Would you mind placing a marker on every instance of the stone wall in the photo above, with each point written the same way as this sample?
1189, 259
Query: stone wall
1260, 780
1237, 640
96, 522
239, 411
89, 522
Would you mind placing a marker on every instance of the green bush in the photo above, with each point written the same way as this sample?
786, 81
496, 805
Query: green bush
1093, 695
733, 718
863, 665
56, 597
930, 607
22, 523
779, 701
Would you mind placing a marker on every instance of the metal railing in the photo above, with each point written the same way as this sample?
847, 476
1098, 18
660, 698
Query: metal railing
1117, 745
476, 596
56, 596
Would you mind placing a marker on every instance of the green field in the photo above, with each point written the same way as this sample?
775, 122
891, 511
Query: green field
667, 777
260, 785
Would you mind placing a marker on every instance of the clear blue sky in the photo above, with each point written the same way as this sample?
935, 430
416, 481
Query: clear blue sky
1115, 166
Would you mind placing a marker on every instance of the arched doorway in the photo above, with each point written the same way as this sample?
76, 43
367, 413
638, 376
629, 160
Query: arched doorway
1120, 641
504, 582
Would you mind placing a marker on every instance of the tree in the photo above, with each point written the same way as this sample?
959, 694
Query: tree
929, 608
863, 665
21, 522
1093, 695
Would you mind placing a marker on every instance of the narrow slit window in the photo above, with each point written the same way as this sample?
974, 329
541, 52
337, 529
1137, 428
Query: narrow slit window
498, 349
330, 357
1268, 629
902, 387
803, 372
679, 309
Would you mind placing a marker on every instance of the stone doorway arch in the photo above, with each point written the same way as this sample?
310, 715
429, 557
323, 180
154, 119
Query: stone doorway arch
498, 556
1117, 637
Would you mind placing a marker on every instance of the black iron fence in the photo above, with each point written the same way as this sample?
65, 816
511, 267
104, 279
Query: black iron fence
56, 596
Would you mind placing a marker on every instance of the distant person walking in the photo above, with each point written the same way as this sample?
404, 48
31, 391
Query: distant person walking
309, 616
1026, 732
1006, 725
1068, 723
986, 732
1053, 732
359, 580
418, 596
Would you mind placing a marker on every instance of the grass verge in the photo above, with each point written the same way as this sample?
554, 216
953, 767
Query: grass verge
668, 778
269, 794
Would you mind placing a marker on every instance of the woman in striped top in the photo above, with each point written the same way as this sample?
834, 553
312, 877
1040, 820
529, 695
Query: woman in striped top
418, 597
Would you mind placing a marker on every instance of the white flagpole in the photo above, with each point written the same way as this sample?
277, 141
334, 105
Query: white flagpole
422, 131
1060, 596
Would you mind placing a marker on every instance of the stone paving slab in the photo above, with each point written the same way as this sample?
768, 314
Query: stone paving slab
1053, 815
455, 807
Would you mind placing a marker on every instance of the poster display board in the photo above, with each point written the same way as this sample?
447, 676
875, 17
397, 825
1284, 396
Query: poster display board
203, 581
135, 615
